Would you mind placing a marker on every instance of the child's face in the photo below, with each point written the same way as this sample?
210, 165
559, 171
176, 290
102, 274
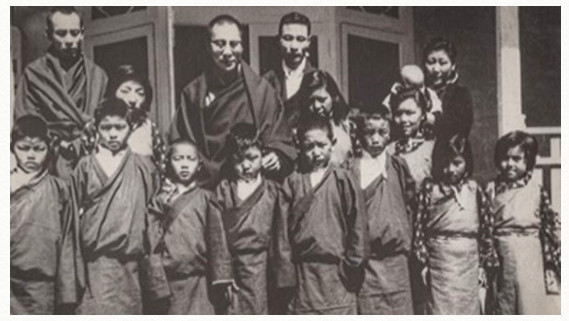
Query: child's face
185, 162
408, 117
317, 148
31, 153
247, 164
113, 132
455, 170
513, 166
375, 135
320, 102
132, 93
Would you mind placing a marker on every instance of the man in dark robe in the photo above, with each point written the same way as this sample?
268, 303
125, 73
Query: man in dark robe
294, 41
62, 87
230, 92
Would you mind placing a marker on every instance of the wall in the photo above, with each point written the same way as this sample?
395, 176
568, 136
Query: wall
472, 29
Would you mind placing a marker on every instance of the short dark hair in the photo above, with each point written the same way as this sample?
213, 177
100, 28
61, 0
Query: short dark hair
310, 122
446, 149
294, 18
29, 126
112, 107
408, 93
440, 43
321, 79
64, 10
369, 111
223, 19
527, 143
126, 73
241, 137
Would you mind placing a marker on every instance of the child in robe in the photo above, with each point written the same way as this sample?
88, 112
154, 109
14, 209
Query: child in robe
453, 232
327, 228
111, 189
248, 202
412, 77
526, 231
187, 238
388, 191
42, 243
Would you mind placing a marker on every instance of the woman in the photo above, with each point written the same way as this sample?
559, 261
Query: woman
127, 84
439, 59
320, 96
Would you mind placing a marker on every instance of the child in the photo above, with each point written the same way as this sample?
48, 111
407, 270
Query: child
111, 188
452, 232
42, 245
388, 191
412, 77
527, 232
327, 227
186, 234
249, 203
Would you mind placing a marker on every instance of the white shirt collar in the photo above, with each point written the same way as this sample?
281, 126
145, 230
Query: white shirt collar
296, 72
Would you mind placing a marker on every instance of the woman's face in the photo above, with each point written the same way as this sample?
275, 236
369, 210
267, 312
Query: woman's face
132, 93
408, 117
320, 103
438, 66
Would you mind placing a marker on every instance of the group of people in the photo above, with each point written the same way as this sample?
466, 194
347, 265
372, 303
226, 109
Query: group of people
271, 194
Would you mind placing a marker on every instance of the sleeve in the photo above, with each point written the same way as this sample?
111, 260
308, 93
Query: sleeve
183, 122
219, 257
486, 245
357, 244
25, 102
424, 200
70, 279
550, 234
159, 150
284, 268
409, 189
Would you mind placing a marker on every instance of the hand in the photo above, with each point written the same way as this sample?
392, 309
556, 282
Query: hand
482, 279
230, 292
425, 276
271, 162
551, 282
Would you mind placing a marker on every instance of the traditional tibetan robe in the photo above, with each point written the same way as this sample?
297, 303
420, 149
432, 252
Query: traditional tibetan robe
249, 99
66, 100
43, 247
453, 241
527, 233
327, 233
186, 233
112, 214
249, 228
386, 288
417, 152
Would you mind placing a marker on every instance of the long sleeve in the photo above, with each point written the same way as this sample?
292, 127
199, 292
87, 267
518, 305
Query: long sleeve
219, 257
424, 199
486, 245
158, 150
283, 267
550, 234
357, 245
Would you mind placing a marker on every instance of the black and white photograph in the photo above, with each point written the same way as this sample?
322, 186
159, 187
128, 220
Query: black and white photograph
271, 160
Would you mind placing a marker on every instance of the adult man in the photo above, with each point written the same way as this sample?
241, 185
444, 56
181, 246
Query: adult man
294, 39
62, 87
229, 92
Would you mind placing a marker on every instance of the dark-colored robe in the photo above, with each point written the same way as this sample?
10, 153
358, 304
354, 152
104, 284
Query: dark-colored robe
292, 105
249, 99
187, 234
328, 237
458, 113
386, 288
66, 101
249, 227
43, 248
112, 214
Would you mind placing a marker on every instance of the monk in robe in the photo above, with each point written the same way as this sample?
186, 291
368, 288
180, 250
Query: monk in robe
230, 92
327, 229
187, 240
111, 188
43, 252
63, 87
388, 191
294, 41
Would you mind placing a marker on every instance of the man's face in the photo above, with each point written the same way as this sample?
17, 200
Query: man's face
226, 46
66, 35
294, 41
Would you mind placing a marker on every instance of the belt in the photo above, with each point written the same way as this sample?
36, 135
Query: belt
517, 231
452, 234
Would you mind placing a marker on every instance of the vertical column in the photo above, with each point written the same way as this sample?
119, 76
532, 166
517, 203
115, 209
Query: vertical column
510, 116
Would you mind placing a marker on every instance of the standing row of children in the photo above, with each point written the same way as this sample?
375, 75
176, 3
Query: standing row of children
399, 224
